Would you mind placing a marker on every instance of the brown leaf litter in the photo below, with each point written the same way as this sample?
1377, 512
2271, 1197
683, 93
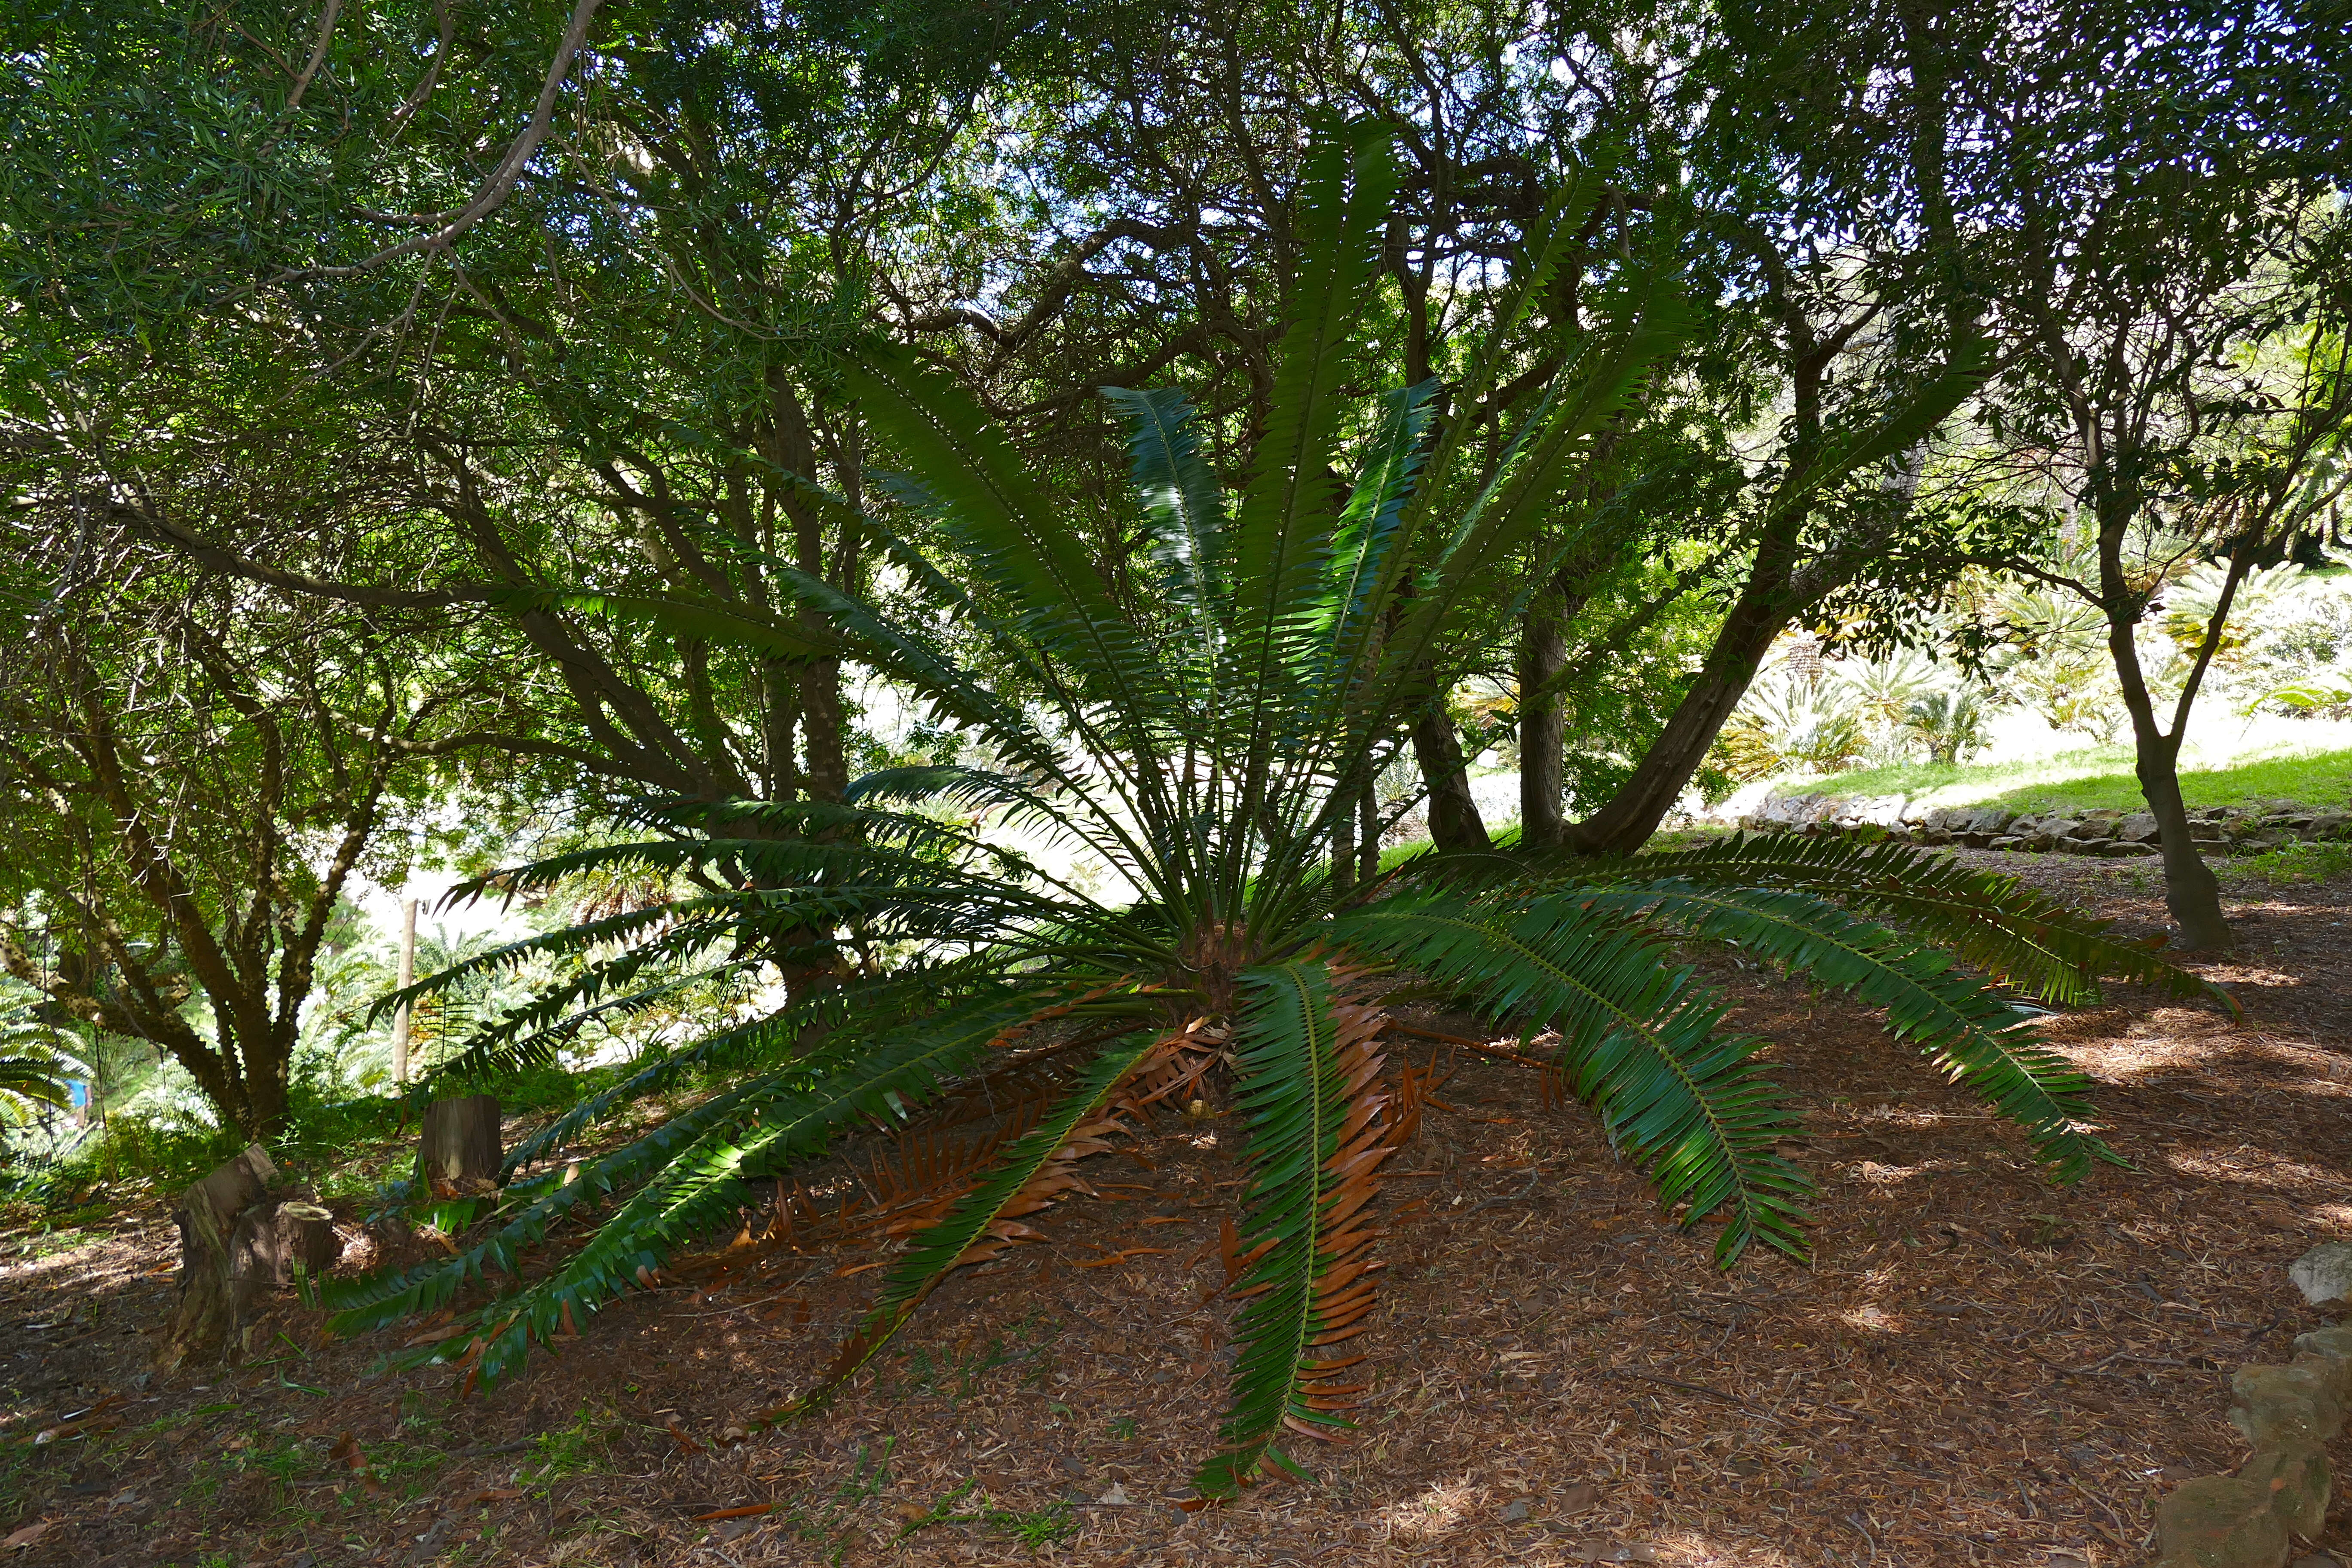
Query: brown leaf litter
1976, 1369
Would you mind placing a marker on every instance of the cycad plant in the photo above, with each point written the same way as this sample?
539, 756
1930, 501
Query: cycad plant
1211, 746
1791, 724
1951, 724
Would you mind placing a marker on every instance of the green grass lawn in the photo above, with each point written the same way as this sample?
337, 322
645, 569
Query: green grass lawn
2098, 776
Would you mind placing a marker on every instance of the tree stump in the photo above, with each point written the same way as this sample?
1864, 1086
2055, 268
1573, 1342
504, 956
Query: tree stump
306, 1235
252, 1260
458, 1152
272, 1237
209, 1216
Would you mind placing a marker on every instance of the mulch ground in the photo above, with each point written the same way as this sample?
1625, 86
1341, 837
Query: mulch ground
1975, 1368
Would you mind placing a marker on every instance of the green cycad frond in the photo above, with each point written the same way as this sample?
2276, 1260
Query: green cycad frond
1641, 1041
1550, 245
761, 1042
35, 1079
777, 863
1283, 522
1911, 420
532, 1034
699, 1161
1282, 532
904, 653
988, 1216
921, 900
1015, 801
1307, 1077
1181, 499
1364, 553
1519, 498
1290, 1092
1014, 538
1996, 924
1977, 1040
859, 816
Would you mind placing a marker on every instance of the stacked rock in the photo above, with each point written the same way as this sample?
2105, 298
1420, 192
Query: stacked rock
2289, 1414
2115, 834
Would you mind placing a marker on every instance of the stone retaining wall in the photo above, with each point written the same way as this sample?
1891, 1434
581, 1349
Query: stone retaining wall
2289, 1414
2217, 830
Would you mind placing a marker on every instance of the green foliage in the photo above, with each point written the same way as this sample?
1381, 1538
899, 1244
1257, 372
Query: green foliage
1204, 745
1793, 725
1951, 724
1639, 1041
2292, 865
33, 1070
574, 1448
699, 1164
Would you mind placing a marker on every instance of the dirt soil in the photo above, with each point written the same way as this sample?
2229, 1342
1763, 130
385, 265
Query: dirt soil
1975, 1369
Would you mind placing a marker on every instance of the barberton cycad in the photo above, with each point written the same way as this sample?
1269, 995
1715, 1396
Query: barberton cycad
1214, 747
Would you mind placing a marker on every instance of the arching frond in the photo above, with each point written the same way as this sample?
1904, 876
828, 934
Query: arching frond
1977, 1040
698, 1162
1034, 1172
1641, 1041
1998, 923
1308, 1077
1182, 499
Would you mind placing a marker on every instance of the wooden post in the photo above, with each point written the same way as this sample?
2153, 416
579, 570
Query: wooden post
457, 1152
210, 1216
407, 978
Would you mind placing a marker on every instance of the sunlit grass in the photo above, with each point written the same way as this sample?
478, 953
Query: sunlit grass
2096, 777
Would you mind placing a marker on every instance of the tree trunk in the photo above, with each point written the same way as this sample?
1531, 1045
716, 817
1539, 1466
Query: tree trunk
271, 1239
399, 1017
458, 1152
1633, 812
305, 1236
203, 1321
1454, 820
1543, 732
265, 1088
2191, 893
827, 774
255, 1262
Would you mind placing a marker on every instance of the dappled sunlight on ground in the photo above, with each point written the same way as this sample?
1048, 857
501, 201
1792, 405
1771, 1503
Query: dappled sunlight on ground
1433, 1512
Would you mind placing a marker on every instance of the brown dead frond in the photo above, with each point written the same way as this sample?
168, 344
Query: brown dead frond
1551, 1082
1369, 1133
1171, 1067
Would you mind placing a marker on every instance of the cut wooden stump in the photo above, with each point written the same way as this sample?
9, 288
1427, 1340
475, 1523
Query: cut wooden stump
271, 1239
252, 1260
458, 1152
210, 1215
306, 1235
